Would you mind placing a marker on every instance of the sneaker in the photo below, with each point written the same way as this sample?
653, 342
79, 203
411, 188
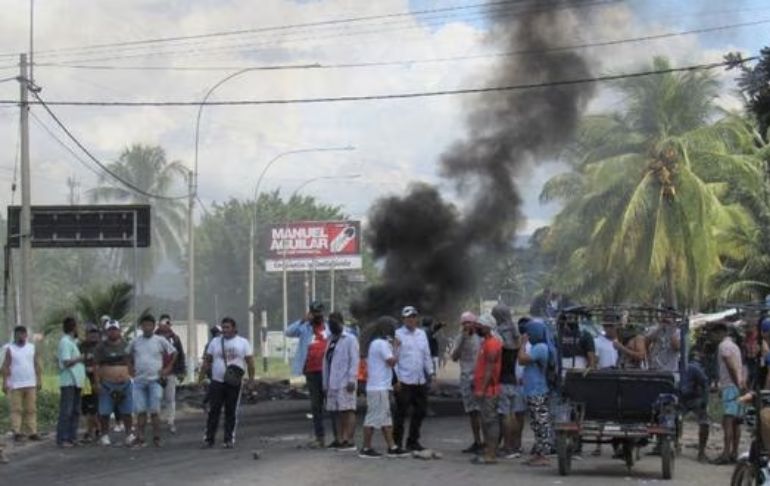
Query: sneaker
335, 444
137, 444
119, 428
172, 429
346, 447
474, 448
369, 454
18, 437
415, 447
397, 452
104, 440
228, 444
316, 444
207, 444
508, 454
35, 437
130, 440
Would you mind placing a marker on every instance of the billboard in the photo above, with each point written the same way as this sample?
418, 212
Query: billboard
90, 226
308, 245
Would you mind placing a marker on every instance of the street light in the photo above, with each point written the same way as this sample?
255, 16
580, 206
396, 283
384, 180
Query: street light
286, 225
192, 338
251, 297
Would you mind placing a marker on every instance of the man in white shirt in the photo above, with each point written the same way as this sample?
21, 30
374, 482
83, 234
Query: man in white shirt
21, 383
606, 344
226, 351
380, 361
414, 371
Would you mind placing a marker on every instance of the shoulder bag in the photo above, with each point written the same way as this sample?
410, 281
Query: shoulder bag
233, 373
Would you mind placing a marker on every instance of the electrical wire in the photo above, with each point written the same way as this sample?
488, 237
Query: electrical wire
419, 94
279, 28
101, 165
188, 50
523, 52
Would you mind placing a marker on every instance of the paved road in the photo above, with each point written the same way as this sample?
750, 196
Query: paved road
279, 429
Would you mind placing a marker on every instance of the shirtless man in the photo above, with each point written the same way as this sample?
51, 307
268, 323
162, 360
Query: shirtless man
113, 382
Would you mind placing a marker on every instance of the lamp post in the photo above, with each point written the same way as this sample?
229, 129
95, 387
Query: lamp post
283, 265
192, 338
253, 225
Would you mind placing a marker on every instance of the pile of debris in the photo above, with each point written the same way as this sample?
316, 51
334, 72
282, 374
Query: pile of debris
260, 391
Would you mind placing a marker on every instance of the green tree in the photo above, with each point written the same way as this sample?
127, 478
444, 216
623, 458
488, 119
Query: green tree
645, 197
89, 306
222, 255
147, 168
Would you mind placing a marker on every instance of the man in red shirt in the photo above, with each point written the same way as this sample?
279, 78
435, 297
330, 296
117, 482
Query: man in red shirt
486, 386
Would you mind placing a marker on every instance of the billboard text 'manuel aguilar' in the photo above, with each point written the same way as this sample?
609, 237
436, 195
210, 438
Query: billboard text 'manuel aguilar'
323, 245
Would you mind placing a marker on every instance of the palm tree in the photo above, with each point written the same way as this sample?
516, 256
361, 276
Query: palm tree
114, 301
644, 200
147, 168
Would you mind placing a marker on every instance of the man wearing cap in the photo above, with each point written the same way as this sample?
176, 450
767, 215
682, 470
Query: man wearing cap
313, 334
113, 382
486, 386
466, 349
178, 373
414, 370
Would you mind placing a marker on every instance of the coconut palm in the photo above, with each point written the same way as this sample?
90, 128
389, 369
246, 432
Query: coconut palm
645, 199
147, 168
90, 306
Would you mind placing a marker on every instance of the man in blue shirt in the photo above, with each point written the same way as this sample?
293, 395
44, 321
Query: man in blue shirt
695, 399
72, 375
536, 356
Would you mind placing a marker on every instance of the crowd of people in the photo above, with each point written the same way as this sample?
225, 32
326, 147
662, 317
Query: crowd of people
507, 376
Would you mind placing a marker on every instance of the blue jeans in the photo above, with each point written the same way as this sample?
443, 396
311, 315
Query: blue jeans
69, 414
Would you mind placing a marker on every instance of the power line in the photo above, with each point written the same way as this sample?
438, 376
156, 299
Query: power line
103, 166
522, 52
278, 28
420, 94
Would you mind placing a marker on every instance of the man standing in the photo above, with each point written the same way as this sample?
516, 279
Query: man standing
147, 354
511, 404
178, 372
731, 382
414, 370
313, 334
113, 382
695, 399
486, 386
88, 399
466, 350
340, 372
663, 343
72, 376
21, 382
228, 357
380, 362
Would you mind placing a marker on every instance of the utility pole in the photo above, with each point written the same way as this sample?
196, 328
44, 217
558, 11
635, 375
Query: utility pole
192, 335
26, 198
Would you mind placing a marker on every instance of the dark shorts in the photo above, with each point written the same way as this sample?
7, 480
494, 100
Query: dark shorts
89, 404
698, 407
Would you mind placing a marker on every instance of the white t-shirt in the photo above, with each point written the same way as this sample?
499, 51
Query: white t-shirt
236, 348
380, 375
22, 366
606, 354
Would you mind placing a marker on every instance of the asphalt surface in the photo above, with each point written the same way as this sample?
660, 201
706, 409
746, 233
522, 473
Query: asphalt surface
279, 431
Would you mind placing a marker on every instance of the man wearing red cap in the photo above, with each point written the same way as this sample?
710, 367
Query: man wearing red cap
466, 349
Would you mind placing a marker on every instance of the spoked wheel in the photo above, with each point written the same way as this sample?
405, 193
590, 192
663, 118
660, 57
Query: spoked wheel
667, 457
629, 454
744, 474
564, 452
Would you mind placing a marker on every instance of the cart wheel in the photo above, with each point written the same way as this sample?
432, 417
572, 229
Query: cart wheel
629, 454
667, 457
743, 475
564, 452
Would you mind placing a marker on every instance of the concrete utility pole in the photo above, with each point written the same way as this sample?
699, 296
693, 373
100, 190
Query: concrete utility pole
26, 198
192, 334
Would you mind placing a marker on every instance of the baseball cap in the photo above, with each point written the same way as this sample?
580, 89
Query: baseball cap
104, 319
487, 320
112, 324
468, 316
409, 311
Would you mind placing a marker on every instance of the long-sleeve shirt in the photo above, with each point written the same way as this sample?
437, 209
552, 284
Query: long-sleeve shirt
303, 330
340, 365
414, 364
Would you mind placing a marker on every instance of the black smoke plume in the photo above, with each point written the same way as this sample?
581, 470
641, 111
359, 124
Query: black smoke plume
427, 245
